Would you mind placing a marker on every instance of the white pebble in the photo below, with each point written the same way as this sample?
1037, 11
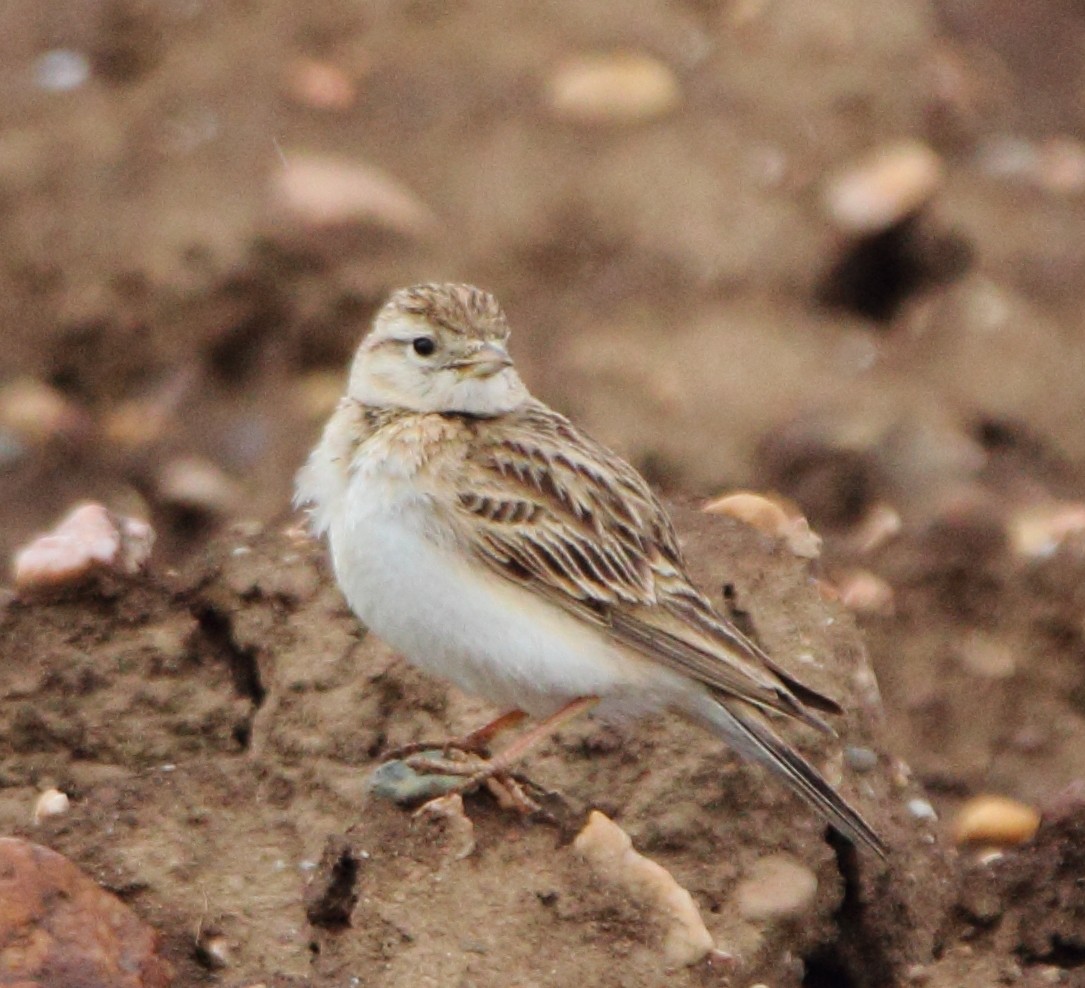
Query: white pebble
609, 853
860, 759
1038, 531
889, 185
61, 70
52, 802
921, 809
617, 88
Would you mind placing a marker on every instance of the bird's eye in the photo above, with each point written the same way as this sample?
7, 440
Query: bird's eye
424, 346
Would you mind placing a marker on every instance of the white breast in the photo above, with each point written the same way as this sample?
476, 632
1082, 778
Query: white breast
451, 617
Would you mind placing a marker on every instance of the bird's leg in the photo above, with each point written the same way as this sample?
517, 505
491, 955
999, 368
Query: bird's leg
479, 739
476, 742
496, 772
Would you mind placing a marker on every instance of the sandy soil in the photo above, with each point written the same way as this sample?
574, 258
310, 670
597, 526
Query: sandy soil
676, 286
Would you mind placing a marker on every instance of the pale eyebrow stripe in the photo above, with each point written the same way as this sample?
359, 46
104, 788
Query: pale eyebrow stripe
397, 341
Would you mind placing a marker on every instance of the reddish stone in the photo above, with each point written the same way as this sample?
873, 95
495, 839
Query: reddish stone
58, 928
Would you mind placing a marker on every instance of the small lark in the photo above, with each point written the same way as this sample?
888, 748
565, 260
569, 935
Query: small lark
492, 543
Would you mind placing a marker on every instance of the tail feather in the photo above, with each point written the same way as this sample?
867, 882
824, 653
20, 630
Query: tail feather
744, 731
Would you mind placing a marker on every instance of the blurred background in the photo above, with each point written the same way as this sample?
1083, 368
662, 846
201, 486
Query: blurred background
829, 249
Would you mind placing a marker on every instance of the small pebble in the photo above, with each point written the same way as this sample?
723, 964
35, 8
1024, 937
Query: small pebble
1038, 531
34, 412
1060, 165
885, 188
921, 809
771, 515
1011, 973
58, 927
777, 888
880, 525
61, 70
860, 759
866, 593
51, 802
140, 421
324, 192
609, 853
989, 855
986, 656
320, 85
448, 810
87, 539
995, 820
619, 88
397, 781
134, 424
213, 951
1056, 165
198, 485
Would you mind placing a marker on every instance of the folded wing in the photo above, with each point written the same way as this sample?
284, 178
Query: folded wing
546, 507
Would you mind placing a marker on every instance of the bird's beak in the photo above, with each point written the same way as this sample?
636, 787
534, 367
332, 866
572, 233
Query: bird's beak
489, 359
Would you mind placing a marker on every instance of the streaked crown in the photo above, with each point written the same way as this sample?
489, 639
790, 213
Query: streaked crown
461, 309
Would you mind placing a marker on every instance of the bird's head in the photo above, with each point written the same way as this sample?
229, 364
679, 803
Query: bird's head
438, 348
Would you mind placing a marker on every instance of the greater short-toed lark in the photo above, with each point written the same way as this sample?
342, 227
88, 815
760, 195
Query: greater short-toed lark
492, 543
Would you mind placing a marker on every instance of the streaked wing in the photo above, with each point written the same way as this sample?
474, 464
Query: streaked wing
547, 507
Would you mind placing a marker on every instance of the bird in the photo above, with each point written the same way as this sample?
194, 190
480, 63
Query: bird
494, 544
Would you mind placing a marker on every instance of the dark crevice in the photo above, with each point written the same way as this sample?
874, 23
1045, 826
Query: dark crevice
740, 618
1062, 954
855, 958
878, 273
237, 347
824, 970
244, 669
333, 891
1017, 446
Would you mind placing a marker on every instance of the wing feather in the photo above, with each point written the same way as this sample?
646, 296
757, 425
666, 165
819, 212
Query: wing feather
547, 507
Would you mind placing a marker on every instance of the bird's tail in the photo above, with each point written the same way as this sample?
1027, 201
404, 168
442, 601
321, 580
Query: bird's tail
746, 732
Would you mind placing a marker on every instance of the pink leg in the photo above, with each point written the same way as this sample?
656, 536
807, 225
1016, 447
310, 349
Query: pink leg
474, 742
495, 772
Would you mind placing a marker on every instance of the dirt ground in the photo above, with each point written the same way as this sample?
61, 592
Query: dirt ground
677, 286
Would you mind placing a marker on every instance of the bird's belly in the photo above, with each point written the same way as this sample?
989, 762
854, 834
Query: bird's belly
486, 635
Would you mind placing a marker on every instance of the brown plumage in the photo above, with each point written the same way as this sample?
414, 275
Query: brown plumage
496, 481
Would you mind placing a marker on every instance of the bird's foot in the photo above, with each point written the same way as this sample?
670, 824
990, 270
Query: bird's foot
449, 748
510, 789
